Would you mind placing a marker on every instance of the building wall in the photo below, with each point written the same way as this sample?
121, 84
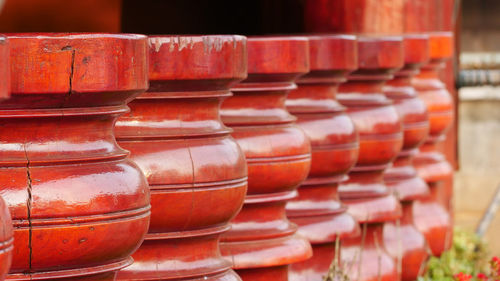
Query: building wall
480, 26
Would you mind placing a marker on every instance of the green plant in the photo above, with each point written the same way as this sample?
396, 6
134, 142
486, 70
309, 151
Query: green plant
467, 258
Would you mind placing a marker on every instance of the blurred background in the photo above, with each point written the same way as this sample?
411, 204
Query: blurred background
476, 68
478, 178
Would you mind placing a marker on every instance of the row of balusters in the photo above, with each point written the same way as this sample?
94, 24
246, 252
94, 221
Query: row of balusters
126, 157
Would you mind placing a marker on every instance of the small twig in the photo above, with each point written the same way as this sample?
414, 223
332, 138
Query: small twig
335, 271
400, 248
332, 270
351, 263
363, 238
379, 257
337, 250
489, 215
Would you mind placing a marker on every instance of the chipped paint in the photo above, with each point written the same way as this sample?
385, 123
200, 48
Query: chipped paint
184, 42
174, 43
213, 43
178, 43
157, 42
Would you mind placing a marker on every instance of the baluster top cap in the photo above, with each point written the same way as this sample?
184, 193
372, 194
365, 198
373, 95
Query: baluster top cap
333, 52
380, 52
278, 55
416, 49
441, 45
62, 63
197, 58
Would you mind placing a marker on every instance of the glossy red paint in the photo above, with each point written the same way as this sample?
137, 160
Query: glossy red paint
403, 240
380, 141
262, 242
6, 237
6, 230
334, 141
430, 217
80, 207
196, 171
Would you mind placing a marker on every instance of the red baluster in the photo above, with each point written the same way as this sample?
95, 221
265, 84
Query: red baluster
196, 171
317, 210
432, 215
380, 141
80, 207
262, 242
6, 230
403, 240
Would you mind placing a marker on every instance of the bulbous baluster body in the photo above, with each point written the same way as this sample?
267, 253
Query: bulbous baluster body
6, 230
80, 206
318, 212
196, 172
262, 242
433, 215
380, 141
404, 241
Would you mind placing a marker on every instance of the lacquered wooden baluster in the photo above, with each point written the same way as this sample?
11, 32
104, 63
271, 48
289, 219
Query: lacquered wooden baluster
6, 230
433, 215
80, 206
321, 217
380, 141
404, 241
196, 171
262, 242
